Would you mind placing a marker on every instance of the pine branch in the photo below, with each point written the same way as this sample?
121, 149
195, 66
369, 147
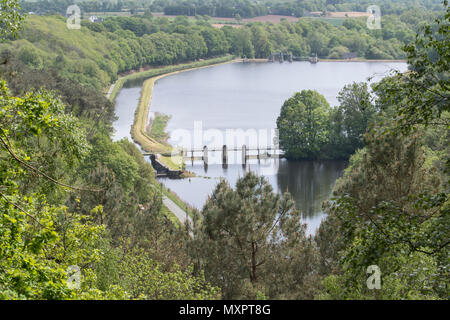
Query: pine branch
26, 165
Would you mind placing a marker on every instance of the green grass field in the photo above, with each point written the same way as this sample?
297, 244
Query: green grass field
157, 127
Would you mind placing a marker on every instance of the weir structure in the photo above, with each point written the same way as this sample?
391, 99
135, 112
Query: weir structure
268, 152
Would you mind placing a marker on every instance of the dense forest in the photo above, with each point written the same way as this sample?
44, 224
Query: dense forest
70, 196
249, 9
310, 129
230, 8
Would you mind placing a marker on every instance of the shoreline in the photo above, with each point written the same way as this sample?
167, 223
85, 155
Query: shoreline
134, 74
362, 60
148, 72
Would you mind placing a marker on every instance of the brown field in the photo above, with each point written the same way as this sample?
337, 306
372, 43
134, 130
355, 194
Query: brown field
111, 14
271, 18
268, 18
219, 22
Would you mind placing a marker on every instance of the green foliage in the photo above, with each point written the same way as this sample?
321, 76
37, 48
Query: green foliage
411, 281
351, 119
30, 56
40, 113
229, 8
38, 240
391, 207
41, 239
422, 95
241, 43
388, 211
79, 101
71, 196
10, 18
38, 247
303, 125
250, 242
310, 129
144, 279
297, 8
337, 52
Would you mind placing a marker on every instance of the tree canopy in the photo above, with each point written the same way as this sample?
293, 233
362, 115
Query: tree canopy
251, 242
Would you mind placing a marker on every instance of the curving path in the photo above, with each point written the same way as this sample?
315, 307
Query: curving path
177, 211
111, 88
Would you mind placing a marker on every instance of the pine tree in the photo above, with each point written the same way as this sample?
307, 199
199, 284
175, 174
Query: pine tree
250, 241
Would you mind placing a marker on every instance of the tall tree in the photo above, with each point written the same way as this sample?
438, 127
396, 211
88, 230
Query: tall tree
303, 125
250, 241
10, 18
353, 116
387, 211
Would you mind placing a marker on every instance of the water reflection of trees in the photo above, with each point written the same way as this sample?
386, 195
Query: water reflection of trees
309, 182
132, 83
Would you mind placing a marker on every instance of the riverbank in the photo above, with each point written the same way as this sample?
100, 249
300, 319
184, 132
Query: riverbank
254, 60
139, 130
134, 75
115, 87
361, 60
334, 60
331, 60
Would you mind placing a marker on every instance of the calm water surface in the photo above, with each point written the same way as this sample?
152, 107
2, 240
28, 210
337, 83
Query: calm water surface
250, 95
125, 105
247, 96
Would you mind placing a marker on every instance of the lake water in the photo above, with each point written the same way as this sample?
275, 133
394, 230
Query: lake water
208, 104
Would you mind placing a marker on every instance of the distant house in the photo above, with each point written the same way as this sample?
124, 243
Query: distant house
95, 19
350, 55
314, 14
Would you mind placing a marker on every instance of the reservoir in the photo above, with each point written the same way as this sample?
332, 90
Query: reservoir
246, 97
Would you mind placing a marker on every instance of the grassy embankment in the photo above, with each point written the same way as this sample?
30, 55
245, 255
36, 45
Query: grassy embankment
147, 141
157, 126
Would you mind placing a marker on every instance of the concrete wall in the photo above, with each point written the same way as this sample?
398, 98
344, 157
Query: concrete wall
162, 169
